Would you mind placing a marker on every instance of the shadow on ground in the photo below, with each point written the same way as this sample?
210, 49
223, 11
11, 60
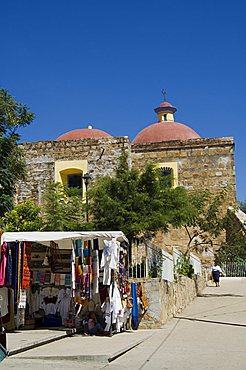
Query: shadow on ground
219, 295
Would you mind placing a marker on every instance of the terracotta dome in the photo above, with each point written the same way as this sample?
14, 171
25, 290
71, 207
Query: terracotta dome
166, 104
166, 129
84, 133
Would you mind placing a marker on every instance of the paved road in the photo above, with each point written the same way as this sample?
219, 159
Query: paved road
209, 334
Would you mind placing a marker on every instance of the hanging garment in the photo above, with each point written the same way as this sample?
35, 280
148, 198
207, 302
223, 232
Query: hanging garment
3, 264
106, 309
62, 279
79, 248
26, 274
33, 299
63, 303
73, 277
115, 302
15, 273
67, 279
9, 268
95, 271
42, 277
109, 259
23, 299
135, 316
19, 272
48, 300
57, 279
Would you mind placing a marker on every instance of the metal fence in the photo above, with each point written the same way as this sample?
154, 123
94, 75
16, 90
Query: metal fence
235, 269
158, 263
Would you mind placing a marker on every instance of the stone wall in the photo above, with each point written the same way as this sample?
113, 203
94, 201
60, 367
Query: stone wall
101, 156
165, 299
201, 162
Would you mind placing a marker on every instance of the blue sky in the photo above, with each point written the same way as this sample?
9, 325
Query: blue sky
104, 63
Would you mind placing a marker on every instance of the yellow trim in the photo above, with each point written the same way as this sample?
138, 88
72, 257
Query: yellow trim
64, 168
174, 167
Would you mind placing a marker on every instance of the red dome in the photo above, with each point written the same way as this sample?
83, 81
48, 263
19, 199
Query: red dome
165, 131
166, 104
83, 133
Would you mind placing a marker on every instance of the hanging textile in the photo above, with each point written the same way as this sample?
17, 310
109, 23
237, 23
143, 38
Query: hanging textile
109, 259
115, 302
9, 268
73, 269
63, 303
26, 272
3, 264
135, 320
106, 309
15, 273
95, 271
19, 269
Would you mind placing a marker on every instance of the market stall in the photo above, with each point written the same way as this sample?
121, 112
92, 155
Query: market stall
54, 279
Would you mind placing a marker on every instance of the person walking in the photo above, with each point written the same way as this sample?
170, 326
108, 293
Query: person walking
216, 273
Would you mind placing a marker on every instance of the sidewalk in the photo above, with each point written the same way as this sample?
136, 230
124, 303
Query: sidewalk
209, 334
23, 340
76, 347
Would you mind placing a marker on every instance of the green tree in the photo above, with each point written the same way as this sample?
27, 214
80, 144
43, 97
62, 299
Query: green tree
63, 209
204, 218
13, 115
24, 217
135, 203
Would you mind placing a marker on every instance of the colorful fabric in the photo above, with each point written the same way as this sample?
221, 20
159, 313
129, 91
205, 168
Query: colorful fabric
67, 279
26, 272
95, 271
19, 273
42, 277
47, 278
38, 277
3, 264
52, 278
62, 279
86, 252
79, 248
135, 321
9, 268
95, 244
57, 279
34, 277
15, 273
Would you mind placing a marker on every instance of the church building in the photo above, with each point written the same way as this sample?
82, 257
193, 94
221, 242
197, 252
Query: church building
192, 161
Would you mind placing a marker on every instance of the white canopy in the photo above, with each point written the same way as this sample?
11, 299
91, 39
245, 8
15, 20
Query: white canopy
63, 237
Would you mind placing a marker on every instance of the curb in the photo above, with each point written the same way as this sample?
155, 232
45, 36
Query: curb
121, 352
88, 358
41, 342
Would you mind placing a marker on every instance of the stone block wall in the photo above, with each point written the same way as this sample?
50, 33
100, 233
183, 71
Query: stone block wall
201, 162
101, 156
165, 299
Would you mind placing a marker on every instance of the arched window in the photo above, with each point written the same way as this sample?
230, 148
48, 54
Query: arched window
168, 173
74, 180
70, 173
